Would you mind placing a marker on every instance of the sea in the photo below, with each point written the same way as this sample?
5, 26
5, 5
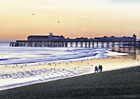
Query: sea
11, 57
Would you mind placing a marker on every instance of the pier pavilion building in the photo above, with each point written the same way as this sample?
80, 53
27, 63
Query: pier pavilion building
51, 37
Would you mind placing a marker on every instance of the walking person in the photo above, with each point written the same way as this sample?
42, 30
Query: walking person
96, 69
100, 68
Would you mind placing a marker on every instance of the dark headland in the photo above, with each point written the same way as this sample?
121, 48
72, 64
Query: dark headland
117, 84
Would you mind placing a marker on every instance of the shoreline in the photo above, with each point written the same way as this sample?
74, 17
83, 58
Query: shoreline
109, 64
112, 60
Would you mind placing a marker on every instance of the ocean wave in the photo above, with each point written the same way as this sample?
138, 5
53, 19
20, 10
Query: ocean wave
19, 55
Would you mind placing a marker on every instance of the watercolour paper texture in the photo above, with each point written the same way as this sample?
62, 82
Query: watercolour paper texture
89, 28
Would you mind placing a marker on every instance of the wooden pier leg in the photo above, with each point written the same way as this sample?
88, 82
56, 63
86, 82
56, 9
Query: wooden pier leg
123, 46
113, 46
119, 49
59, 44
66, 44
76, 44
139, 45
135, 46
71, 44
81, 44
62, 44
10, 44
50, 44
85, 44
92, 44
102, 44
107, 44
45, 44
55, 44
41, 44
88, 44
25, 43
129, 46
97, 44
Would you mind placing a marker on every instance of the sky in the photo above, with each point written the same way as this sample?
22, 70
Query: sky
71, 18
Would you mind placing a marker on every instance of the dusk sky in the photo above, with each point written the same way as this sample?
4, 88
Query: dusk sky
77, 18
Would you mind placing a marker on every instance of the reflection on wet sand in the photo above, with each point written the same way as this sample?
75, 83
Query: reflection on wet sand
133, 55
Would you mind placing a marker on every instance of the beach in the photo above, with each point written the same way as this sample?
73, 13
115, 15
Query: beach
77, 78
55, 71
116, 84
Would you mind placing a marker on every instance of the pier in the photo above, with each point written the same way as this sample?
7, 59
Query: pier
86, 44
113, 43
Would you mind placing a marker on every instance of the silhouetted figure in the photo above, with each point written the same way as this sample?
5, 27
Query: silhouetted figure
100, 68
96, 69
